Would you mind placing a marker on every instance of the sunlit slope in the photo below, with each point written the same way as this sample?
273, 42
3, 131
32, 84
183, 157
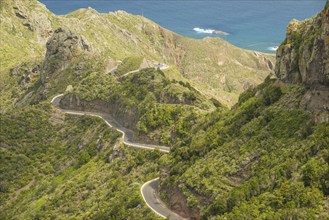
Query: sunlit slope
213, 66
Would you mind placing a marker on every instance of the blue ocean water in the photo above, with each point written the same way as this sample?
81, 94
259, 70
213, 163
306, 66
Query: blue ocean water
252, 24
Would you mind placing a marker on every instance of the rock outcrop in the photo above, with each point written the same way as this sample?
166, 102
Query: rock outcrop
35, 21
303, 58
62, 47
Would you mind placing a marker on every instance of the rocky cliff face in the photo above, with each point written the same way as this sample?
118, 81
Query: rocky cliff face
25, 27
35, 21
303, 58
62, 47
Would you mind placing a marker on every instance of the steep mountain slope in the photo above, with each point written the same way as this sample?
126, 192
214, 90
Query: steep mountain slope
268, 157
146, 102
304, 58
211, 65
54, 165
208, 63
24, 30
59, 166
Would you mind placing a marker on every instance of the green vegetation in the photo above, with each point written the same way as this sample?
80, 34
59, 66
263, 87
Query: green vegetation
266, 158
21, 48
122, 36
60, 166
16, 85
129, 64
262, 160
80, 68
146, 101
302, 34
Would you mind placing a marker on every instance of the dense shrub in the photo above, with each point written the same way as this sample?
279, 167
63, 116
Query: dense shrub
263, 159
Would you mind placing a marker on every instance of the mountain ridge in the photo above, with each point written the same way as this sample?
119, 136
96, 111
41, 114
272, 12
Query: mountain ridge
115, 36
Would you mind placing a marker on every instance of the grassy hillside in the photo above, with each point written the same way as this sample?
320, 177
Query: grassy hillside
129, 64
23, 34
25, 27
212, 66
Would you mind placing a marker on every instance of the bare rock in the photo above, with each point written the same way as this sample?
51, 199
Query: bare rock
303, 58
116, 152
62, 47
69, 88
34, 20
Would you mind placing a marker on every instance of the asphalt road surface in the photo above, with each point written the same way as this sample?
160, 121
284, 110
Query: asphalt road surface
126, 133
149, 190
151, 197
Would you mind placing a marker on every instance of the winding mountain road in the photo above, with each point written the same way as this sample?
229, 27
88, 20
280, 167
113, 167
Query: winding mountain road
110, 121
150, 194
149, 190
